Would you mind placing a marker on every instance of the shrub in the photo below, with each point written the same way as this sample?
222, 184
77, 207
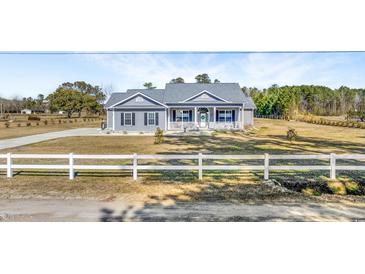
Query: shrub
337, 187
352, 187
19, 125
7, 124
45, 122
355, 115
159, 136
28, 124
37, 123
84, 120
33, 118
311, 191
59, 121
291, 134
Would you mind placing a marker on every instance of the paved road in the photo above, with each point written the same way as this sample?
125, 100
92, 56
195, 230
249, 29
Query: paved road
26, 140
86, 210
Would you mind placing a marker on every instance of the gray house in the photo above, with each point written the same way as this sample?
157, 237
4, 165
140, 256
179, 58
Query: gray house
180, 106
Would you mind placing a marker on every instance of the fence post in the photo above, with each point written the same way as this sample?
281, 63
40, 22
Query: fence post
135, 164
333, 166
200, 163
9, 162
71, 166
266, 166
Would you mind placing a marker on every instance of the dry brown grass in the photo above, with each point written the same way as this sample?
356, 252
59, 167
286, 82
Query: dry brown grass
168, 187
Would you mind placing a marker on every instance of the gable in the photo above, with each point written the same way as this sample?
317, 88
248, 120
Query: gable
138, 100
205, 96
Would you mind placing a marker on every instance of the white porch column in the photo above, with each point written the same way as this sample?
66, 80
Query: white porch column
168, 119
195, 116
214, 114
238, 118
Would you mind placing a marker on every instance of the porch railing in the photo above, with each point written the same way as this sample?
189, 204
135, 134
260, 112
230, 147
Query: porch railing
210, 125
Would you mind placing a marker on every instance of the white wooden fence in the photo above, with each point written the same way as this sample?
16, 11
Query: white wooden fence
134, 166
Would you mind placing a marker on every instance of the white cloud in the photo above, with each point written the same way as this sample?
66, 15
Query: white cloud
264, 69
135, 69
249, 69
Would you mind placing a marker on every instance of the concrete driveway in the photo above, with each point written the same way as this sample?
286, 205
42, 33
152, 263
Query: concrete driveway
119, 211
27, 140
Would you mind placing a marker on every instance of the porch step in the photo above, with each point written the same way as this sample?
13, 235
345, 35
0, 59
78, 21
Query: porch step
189, 133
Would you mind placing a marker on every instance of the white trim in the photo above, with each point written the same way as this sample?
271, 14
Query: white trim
206, 121
225, 115
138, 94
196, 116
182, 115
124, 124
243, 116
154, 118
205, 91
167, 119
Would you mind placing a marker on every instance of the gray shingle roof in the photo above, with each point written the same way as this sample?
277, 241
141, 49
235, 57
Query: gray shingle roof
176, 93
179, 92
156, 94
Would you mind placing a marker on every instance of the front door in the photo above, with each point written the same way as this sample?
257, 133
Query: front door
203, 119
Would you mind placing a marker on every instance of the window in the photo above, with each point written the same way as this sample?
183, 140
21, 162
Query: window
128, 119
151, 118
182, 116
139, 99
229, 116
225, 116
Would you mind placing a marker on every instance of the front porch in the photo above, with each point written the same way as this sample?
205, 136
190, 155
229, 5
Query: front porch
205, 118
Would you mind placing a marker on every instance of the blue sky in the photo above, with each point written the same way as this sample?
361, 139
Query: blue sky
29, 74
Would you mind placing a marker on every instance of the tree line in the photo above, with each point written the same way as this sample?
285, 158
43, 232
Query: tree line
287, 100
69, 97
200, 78
307, 99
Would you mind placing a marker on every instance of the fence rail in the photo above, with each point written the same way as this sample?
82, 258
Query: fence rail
72, 167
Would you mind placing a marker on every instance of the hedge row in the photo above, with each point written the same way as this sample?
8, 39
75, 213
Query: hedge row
51, 121
322, 121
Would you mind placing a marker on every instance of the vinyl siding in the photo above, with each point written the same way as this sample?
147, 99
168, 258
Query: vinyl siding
139, 120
